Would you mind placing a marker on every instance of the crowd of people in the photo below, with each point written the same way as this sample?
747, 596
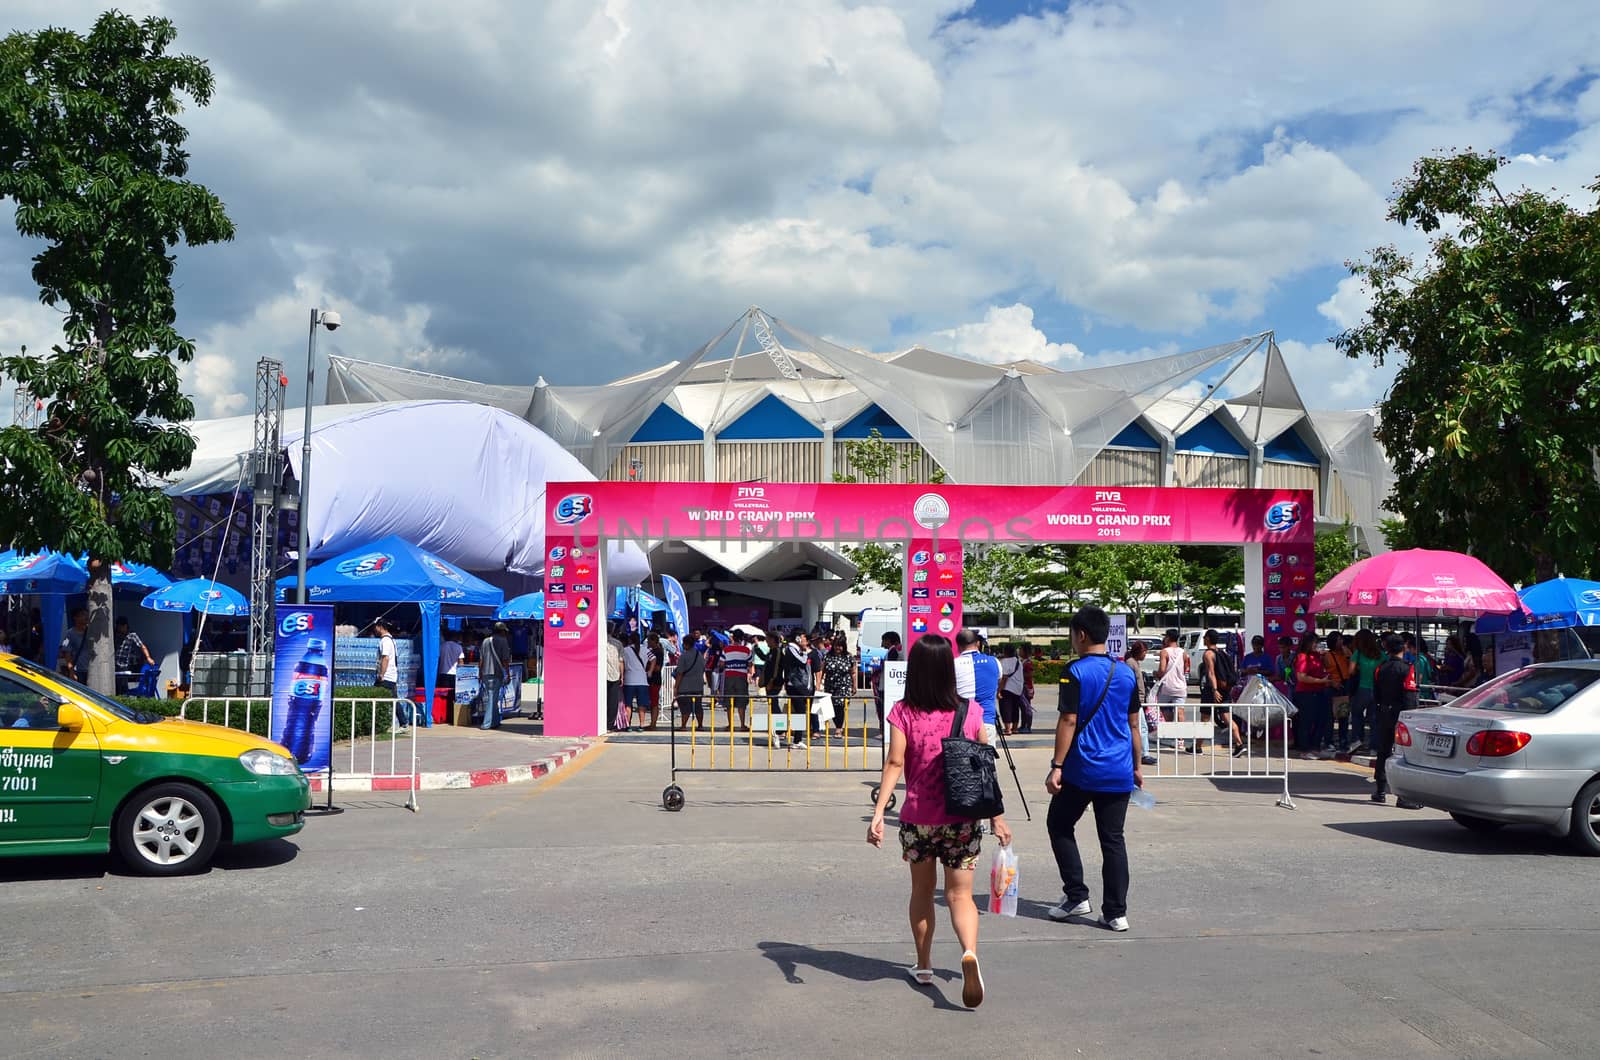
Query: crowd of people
657, 670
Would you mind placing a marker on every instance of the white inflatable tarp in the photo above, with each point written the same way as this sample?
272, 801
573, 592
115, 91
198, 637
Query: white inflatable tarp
464, 481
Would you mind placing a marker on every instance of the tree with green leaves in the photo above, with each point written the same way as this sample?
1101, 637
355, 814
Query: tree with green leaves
92, 158
997, 578
1493, 421
875, 459
1213, 578
1126, 577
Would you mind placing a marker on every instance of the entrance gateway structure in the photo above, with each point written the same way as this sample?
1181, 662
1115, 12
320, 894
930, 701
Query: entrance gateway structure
1274, 527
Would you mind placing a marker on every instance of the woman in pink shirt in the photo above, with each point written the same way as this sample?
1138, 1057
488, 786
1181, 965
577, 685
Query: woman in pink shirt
928, 835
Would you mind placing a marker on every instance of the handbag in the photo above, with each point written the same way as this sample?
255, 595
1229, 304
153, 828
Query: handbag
971, 779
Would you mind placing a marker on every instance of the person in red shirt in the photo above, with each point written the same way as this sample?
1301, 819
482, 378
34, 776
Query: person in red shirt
736, 677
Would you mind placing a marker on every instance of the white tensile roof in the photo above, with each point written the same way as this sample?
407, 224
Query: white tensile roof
1021, 423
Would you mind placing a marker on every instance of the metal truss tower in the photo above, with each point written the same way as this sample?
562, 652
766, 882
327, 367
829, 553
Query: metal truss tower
266, 467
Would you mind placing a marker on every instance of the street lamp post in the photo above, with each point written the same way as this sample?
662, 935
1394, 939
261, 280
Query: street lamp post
330, 320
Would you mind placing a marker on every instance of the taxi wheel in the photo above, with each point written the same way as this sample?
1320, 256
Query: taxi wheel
168, 830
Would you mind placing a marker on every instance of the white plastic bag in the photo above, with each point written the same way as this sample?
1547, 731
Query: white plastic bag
1003, 882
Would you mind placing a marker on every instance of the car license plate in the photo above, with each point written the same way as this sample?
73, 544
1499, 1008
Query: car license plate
1439, 743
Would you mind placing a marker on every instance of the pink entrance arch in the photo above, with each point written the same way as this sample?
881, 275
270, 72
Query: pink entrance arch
1274, 527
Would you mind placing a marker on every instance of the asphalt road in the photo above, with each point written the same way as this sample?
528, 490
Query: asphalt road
576, 918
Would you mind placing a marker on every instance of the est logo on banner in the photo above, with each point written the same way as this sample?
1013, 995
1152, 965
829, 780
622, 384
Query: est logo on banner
302, 684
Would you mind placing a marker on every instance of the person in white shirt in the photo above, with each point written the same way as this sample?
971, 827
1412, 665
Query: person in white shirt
635, 683
1172, 680
388, 673
1012, 683
613, 678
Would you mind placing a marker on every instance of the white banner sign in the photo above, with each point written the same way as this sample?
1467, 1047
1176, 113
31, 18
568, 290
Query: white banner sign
894, 683
1117, 638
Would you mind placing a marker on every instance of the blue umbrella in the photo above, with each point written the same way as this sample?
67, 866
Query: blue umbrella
528, 605
198, 594
1559, 603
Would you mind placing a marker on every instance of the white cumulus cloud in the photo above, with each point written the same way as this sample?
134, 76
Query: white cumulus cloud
1005, 334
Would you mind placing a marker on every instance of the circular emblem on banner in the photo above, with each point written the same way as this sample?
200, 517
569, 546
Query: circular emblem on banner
945, 625
1300, 625
931, 511
582, 621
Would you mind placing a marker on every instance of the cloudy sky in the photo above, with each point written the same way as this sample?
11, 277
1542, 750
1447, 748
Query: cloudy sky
500, 190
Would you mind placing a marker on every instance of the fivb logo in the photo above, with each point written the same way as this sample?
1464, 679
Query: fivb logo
295, 622
756, 492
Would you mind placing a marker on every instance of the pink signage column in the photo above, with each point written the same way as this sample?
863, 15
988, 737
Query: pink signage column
933, 581
575, 610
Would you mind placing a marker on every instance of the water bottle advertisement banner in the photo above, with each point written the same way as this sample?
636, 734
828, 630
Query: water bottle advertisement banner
302, 684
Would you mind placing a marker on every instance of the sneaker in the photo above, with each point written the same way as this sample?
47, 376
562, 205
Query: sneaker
1379, 797
799, 745
1116, 923
1407, 804
1149, 760
1066, 909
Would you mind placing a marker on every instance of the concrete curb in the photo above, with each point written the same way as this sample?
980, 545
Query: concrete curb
451, 780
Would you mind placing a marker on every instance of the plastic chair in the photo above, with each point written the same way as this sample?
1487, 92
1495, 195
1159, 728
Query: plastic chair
146, 688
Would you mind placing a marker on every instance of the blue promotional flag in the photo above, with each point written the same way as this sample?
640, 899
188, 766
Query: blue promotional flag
302, 684
677, 604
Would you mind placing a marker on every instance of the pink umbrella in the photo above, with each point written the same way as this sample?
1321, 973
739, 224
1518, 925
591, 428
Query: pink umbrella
1417, 582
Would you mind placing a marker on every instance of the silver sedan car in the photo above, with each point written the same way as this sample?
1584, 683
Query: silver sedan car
1521, 749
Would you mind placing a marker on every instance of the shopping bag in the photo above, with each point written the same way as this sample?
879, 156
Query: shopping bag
822, 707
1003, 882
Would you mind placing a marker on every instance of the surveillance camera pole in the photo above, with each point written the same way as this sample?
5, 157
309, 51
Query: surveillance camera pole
305, 461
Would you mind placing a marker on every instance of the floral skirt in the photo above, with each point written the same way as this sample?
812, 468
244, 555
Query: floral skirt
954, 845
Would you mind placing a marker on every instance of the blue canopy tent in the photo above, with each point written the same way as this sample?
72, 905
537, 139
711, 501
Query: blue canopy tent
137, 576
1559, 603
624, 600
522, 608
392, 570
51, 574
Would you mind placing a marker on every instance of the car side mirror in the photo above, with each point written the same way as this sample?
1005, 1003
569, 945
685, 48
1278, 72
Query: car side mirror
69, 717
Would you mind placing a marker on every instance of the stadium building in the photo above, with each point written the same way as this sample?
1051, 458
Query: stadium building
765, 401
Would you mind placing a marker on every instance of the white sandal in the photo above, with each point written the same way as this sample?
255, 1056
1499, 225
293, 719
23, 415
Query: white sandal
971, 980
921, 976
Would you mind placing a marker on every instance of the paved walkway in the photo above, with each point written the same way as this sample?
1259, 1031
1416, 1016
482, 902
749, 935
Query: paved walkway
456, 757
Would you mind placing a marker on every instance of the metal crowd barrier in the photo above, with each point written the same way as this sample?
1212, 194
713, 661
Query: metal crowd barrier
1265, 727
364, 753
763, 744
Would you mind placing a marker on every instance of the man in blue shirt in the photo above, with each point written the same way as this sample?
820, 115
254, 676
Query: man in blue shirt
978, 678
1096, 762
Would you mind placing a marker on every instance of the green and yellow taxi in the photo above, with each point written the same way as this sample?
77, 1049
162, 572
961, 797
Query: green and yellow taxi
81, 773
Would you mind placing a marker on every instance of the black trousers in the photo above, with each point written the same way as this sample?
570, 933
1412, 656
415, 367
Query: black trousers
1384, 721
799, 715
1110, 814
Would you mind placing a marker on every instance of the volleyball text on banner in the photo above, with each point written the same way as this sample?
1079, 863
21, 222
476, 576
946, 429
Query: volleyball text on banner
302, 684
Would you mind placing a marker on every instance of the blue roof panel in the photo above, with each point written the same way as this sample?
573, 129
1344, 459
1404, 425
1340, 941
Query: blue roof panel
666, 424
1290, 448
1134, 436
769, 420
1210, 436
862, 423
